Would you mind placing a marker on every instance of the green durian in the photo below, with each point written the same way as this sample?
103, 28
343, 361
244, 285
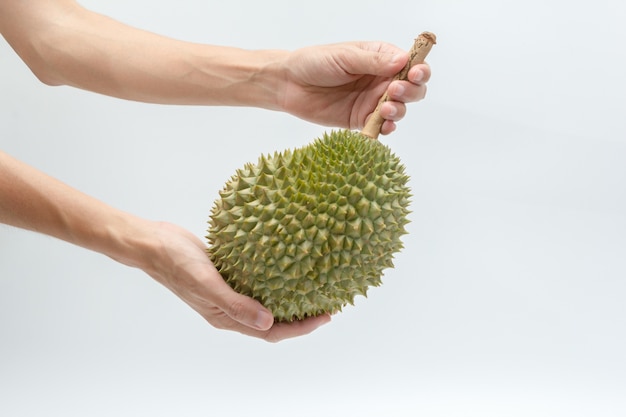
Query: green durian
306, 231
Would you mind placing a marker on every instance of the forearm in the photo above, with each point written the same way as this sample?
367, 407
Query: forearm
31, 200
64, 43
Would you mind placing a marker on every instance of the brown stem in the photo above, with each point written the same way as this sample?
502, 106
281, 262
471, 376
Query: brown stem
417, 54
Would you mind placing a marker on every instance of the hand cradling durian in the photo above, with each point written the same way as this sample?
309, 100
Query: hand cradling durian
305, 231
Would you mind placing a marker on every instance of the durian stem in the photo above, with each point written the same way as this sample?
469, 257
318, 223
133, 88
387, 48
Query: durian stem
417, 54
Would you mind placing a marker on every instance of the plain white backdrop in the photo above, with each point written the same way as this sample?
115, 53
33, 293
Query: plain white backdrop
508, 299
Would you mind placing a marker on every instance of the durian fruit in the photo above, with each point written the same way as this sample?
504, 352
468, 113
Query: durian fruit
306, 231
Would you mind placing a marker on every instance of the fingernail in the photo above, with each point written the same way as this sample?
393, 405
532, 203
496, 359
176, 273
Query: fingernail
264, 320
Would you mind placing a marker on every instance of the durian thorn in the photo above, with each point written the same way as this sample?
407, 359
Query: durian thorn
421, 47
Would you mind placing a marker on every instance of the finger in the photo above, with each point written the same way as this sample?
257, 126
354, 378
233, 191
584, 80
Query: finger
243, 310
406, 92
287, 330
278, 332
364, 61
419, 74
249, 312
393, 110
235, 311
389, 126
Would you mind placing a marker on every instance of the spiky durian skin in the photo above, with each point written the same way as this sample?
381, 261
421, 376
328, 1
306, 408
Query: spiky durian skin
305, 231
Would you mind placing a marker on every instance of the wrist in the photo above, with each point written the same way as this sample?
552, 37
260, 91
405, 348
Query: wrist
129, 240
257, 79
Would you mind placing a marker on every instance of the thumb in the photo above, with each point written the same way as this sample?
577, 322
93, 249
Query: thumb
365, 61
247, 311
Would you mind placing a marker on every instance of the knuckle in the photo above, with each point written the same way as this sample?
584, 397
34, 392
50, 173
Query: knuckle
236, 310
220, 321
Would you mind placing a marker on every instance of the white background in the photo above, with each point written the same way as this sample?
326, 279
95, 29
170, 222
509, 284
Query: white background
508, 299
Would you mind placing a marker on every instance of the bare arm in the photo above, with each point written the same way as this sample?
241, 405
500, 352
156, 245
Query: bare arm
64, 43
336, 85
171, 255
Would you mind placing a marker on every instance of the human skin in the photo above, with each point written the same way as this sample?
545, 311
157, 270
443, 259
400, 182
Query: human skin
65, 44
